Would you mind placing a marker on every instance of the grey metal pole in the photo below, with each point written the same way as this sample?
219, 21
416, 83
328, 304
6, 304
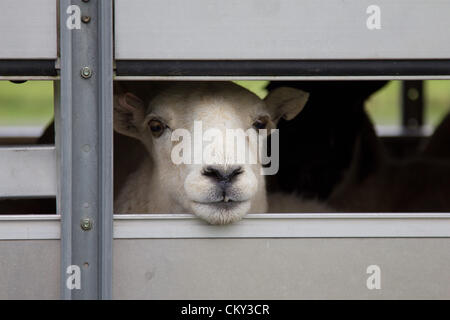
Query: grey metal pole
84, 147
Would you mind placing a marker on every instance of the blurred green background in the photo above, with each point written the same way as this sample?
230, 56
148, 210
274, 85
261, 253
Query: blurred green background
31, 103
26, 104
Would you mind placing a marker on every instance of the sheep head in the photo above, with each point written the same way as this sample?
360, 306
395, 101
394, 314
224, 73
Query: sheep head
186, 129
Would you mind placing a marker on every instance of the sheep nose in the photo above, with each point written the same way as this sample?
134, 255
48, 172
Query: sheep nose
221, 174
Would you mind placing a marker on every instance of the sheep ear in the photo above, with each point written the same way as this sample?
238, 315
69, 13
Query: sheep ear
286, 103
129, 113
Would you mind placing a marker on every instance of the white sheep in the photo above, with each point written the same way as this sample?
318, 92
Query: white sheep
221, 193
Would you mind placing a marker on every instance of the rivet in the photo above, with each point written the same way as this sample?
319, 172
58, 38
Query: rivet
413, 94
86, 148
86, 224
86, 19
86, 72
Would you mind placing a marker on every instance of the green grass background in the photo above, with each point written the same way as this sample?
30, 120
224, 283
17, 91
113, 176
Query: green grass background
31, 103
26, 104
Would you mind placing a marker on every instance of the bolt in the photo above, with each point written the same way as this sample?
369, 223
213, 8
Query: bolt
86, 72
413, 94
86, 148
86, 19
86, 224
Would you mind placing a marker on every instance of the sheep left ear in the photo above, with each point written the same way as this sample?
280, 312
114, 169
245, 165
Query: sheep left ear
285, 103
129, 113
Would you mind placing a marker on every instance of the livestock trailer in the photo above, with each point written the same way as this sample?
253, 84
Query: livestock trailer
87, 252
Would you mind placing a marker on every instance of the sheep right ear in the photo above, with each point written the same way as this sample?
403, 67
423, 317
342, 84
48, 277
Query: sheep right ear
285, 102
129, 114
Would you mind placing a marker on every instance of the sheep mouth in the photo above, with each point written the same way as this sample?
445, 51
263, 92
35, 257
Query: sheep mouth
221, 212
223, 204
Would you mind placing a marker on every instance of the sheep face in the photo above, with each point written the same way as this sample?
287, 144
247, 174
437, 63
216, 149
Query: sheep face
196, 134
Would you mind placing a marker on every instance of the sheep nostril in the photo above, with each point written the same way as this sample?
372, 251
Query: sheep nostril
222, 175
236, 172
212, 172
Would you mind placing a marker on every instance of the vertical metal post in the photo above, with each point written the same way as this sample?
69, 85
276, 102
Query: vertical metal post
412, 104
84, 148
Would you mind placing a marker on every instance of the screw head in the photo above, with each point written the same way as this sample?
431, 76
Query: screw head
413, 94
86, 72
86, 224
86, 19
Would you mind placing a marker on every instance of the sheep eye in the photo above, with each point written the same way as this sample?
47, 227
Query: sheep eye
261, 123
156, 127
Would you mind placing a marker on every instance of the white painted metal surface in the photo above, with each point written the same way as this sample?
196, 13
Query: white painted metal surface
183, 226
333, 225
27, 172
29, 269
288, 256
242, 268
30, 227
280, 268
281, 29
28, 29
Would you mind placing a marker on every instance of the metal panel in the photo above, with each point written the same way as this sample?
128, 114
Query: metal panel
27, 172
291, 225
30, 227
84, 142
27, 68
29, 269
331, 225
183, 226
280, 268
243, 268
28, 29
276, 265
286, 29
283, 68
